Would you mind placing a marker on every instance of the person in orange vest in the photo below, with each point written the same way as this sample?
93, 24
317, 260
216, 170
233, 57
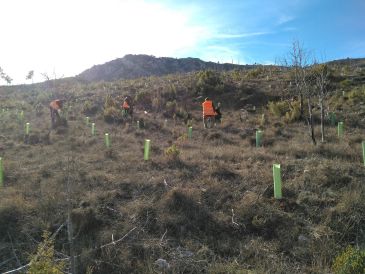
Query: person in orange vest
55, 107
208, 110
127, 106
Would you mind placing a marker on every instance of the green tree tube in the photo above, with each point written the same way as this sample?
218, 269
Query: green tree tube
27, 128
277, 181
87, 119
340, 129
363, 151
332, 118
107, 140
1, 173
92, 129
190, 132
147, 145
258, 138
138, 126
21, 115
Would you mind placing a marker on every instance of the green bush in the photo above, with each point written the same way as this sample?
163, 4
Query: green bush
43, 261
112, 114
345, 84
356, 96
350, 261
143, 98
89, 108
110, 102
209, 82
290, 111
172, 152
278, 109
254, 73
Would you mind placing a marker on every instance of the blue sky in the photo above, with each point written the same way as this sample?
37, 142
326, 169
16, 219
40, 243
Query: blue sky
262, 31
64, 37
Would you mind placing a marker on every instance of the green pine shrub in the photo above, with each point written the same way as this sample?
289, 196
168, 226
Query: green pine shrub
350, 261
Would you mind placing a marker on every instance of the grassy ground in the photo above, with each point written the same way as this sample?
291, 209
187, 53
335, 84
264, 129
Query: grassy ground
206, 207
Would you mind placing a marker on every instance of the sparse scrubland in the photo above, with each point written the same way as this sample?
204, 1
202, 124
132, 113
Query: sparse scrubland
199, 205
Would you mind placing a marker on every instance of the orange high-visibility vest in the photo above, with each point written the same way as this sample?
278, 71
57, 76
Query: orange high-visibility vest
55, 105
208, 109
125, 105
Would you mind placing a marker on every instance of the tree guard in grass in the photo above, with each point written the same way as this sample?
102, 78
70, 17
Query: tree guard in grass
147, 146
138, 126
277, 181
21, 115
92, 129
332, 118
190, 132
363, 151
27, 128
340, 129
1, 173
258, 138
87, 120
107, 140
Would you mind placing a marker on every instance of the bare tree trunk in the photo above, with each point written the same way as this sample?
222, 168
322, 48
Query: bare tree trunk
310, 122
322, 117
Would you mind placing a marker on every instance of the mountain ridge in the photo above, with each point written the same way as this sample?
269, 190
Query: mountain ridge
134, 66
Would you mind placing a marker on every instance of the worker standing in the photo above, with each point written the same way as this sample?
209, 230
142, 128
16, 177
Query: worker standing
127, 106
208, 111
55, 108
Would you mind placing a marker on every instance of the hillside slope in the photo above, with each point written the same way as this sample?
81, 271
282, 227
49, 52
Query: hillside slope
203, 204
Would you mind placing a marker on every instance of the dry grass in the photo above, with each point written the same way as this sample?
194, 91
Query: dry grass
209, 210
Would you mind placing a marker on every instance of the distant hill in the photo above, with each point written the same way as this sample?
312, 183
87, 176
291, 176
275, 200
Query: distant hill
134, 66
358, 62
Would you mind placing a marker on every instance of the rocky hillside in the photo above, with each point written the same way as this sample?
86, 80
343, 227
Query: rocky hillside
135, 66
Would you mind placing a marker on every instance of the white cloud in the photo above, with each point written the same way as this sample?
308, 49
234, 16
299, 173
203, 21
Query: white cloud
284, 18
70, 36
239, 35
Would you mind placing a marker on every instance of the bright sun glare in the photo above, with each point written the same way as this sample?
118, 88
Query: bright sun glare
63, 38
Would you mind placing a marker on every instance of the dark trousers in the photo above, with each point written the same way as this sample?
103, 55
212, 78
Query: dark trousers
54, 116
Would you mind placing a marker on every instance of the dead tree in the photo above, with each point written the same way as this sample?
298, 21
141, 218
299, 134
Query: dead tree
300, 64
321, 76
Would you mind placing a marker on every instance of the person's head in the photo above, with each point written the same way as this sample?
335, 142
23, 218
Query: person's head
219, 104
207, 99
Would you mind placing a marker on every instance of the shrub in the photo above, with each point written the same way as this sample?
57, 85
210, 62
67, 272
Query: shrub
89, 108
290, 111
43, 260
350, 261
171, 106
112, 114
110, 102
294, 113
345, 84
278, 109
254, 73
209, 82
143, 98
172, 152
356, 96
